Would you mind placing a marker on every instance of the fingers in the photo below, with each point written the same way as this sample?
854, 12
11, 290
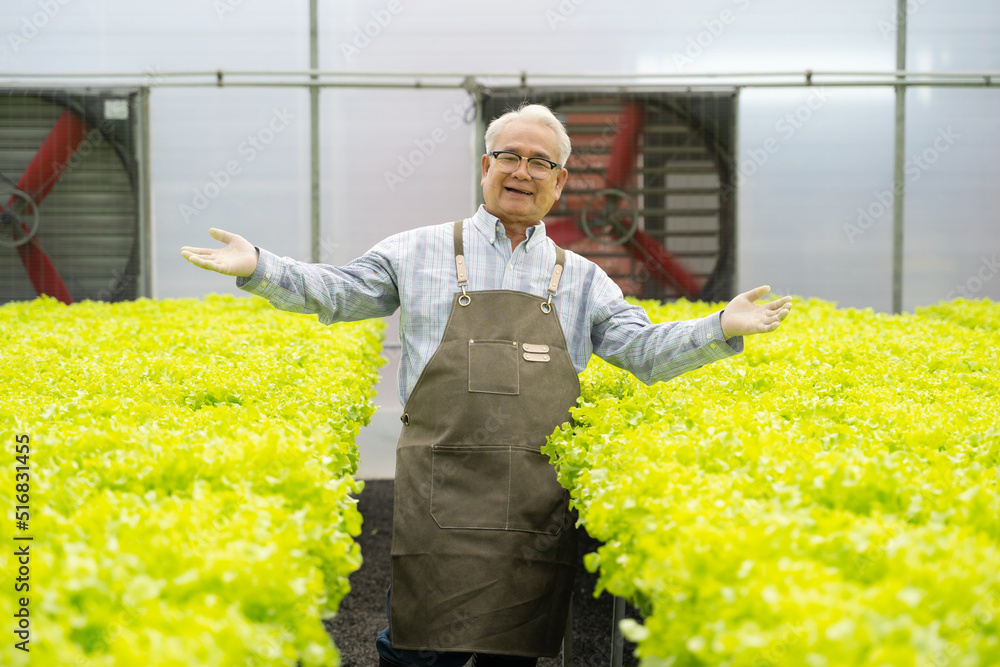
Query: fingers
197, 256
784, 303
198, 260
762, 317
775, 317
757, 292
221, 235
196, 251
205, 258
771, 319
208, 258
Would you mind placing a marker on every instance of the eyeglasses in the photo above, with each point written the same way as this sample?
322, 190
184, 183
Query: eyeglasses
538, 167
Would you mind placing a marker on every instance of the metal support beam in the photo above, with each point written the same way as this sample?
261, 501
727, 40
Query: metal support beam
314, 128
899, 185
617, 641
438, 80
567, 658
145, 279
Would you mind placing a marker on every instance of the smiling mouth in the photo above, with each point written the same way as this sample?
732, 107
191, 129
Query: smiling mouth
519, 192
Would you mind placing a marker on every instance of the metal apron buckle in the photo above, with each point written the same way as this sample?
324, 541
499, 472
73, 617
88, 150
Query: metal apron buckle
547, 305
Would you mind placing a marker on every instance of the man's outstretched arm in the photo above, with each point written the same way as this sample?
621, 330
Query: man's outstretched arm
364, 288
623, 335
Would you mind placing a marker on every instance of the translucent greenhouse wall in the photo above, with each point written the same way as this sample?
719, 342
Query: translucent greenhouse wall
813, 214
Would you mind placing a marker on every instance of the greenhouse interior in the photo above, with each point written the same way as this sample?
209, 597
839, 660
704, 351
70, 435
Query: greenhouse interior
719, 282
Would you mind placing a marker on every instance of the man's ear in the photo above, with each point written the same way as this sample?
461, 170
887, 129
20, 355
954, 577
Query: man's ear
561, 181
485, 167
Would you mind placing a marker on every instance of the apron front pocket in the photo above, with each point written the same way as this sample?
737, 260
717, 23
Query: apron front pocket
495, 487
493, 367
538, 503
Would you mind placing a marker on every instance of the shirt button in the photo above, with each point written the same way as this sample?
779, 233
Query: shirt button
267, 275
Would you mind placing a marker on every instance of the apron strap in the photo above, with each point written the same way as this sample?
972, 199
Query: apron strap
463, 276
557, 272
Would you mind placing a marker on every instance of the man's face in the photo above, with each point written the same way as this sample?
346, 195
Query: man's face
518, 198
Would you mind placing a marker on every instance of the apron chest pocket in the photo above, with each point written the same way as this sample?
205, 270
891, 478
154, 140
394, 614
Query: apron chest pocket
493, 367
495, 487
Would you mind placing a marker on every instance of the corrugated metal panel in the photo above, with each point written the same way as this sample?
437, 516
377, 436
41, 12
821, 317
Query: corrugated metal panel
88, 223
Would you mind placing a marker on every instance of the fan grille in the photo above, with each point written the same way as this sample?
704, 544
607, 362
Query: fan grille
679, 181
88, 223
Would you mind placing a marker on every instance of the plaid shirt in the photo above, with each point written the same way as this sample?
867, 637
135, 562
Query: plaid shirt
415, 271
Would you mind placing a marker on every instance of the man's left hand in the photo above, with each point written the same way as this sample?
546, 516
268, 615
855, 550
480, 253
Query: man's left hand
743, 317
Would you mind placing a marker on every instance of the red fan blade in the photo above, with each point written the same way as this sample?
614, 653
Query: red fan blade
563, 231
49, 163
42, 272
44, 171
621, 163
662, 265
626, 147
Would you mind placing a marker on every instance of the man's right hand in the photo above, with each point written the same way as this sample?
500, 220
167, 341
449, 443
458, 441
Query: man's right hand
238, 258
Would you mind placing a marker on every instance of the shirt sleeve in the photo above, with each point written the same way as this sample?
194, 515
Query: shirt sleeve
366, 287
623, 335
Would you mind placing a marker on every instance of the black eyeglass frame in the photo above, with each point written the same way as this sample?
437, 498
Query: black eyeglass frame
546, 162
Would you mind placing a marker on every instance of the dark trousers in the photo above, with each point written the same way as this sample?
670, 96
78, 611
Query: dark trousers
395, 657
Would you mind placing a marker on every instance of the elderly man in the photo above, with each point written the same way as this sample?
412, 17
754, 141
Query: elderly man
496, 323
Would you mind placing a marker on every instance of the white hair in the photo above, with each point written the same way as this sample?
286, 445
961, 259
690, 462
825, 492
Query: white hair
534, 113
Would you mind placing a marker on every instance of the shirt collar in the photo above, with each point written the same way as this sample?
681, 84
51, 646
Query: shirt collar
490, 226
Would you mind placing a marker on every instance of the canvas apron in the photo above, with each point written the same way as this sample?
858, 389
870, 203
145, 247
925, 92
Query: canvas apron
483, 547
